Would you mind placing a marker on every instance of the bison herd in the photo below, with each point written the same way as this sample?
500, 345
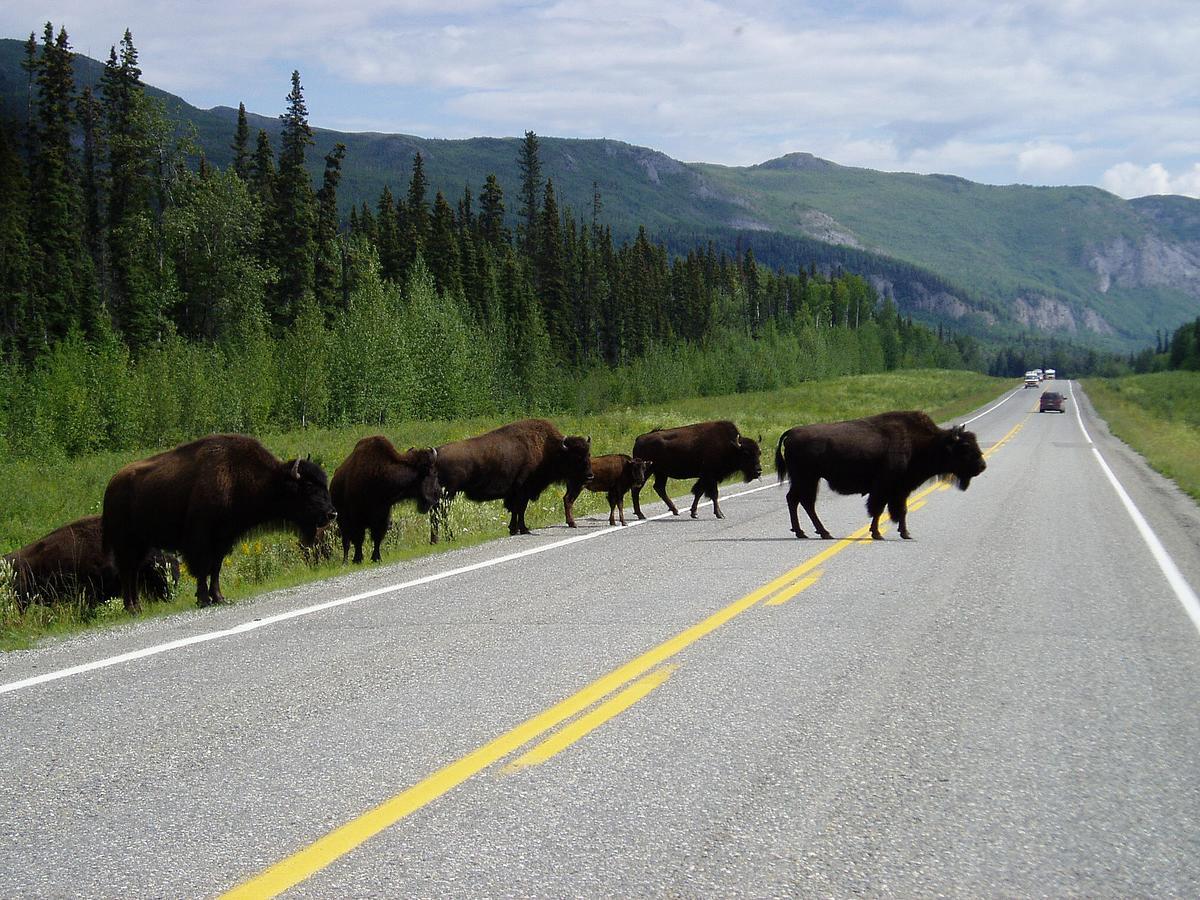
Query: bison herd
198, 499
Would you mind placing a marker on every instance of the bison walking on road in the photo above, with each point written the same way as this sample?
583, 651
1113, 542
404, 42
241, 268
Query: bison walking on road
372, 479
200, 498
513, 463
613, 475
70, 561
886, 457
708, 451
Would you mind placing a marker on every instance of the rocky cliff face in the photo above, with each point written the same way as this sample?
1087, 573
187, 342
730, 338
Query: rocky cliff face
1044, 313
1150, 261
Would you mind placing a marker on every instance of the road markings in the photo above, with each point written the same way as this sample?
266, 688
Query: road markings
325, 850
1004, 440
789, 592
1182, 590
590, 721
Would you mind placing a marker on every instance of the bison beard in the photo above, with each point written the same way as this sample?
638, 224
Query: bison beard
199, 498
513, 463
886, 457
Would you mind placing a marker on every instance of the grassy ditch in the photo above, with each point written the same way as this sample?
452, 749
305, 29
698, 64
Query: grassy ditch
39, 496
1158, 415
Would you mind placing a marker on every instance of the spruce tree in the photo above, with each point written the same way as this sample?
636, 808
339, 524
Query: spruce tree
531, 195
241, 145
386, 235
294, 212
551, 281
491, 213
328, 270
15, 339
442, 250
262, 170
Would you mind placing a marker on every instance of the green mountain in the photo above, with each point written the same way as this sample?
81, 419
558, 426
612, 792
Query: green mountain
1072, 261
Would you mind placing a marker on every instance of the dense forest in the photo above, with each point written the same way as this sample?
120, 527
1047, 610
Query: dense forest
148, 296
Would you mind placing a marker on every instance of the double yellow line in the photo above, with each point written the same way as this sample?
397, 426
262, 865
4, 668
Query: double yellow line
643, 672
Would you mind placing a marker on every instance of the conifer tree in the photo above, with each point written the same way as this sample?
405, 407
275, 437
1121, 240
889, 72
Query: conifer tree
262, 170
551, 279
328, 272
241, 145
491, 213
530, 196
442, 251
14, 251
413, 217
294, 212
387, 236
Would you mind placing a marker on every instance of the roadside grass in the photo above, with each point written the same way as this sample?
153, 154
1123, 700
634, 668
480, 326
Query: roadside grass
39, 496
1158, 415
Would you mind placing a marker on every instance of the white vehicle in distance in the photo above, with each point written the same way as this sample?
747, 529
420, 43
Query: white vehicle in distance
1049, 374
1032, 380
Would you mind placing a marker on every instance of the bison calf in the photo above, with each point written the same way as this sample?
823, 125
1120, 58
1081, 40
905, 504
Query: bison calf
200, 498
370, 481
70, 561
613, 475
708, 451
886, 457
513, 463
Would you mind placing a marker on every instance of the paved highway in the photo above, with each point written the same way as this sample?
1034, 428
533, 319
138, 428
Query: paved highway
1006, 705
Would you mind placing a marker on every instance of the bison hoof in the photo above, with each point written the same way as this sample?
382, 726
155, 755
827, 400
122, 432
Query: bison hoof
801, 535
906, 535
825, 535
720, 515
641, 515
876, 536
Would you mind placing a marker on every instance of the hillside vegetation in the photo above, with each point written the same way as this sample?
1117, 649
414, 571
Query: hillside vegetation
1072, 261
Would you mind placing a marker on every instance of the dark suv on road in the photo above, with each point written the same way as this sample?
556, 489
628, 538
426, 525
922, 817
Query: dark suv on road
1052, 400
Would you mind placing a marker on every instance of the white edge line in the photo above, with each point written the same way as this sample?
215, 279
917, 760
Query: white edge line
255, 624
993, 406
1183, 591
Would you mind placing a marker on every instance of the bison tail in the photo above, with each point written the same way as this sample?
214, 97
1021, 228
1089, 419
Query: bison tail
780, 465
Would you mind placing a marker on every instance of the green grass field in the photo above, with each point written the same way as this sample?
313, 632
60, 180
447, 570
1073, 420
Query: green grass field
1157, 415
38, 497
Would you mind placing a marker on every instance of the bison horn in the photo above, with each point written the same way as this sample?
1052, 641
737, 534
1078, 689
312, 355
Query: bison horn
296, 469
433, 450
737, 441
564, 444
589, 440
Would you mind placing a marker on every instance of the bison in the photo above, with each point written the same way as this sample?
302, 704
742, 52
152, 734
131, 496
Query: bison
886, 457
372, 479
200, 498
513, 463
708, 451
613, 475
70, 561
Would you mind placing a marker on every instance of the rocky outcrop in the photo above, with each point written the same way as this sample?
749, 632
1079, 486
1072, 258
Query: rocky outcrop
1149, 261
1043, 313
916, 297
824, 227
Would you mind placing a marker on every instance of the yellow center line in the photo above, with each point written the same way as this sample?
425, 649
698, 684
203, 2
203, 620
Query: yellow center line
585, 724
789, 592
325, 850
913, 507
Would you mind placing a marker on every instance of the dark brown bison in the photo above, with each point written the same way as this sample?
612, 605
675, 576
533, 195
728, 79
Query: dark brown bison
200, 498
886, 457
372, 479
613, 475
708, 451
70, 562
514, 463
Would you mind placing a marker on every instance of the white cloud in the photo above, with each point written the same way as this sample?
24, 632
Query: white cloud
1045, 159
1131, 180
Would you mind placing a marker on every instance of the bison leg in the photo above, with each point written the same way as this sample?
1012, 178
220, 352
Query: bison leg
378, 532
875, 508
637, 506
898, 510
573, 490
616, 502
660, 488
807, 491
793, 500
516, 522
345, 546
712, 492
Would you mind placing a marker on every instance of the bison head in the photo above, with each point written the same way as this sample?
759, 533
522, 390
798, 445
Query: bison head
639, 471
749, 457
306, 501
578, 454
429, 491
963, 458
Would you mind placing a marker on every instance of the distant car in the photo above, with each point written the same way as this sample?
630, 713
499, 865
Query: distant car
1031, 380
1052, 400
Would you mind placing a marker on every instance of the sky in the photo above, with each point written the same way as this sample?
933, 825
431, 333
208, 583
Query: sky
1099, 92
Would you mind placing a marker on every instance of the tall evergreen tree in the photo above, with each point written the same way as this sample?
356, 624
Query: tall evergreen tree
551, 280
294, 212
14, 251
262, 170
491, 213
413, 217
531, 195
241, 145
442, 249
328, 272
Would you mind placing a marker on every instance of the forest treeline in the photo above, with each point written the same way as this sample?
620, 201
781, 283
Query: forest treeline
149, 296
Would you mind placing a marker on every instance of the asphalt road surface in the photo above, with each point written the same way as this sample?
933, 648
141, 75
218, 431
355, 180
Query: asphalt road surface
1004, 706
